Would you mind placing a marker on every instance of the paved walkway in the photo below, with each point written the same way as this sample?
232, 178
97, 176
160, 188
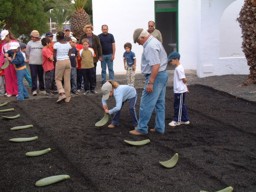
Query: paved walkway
231, 84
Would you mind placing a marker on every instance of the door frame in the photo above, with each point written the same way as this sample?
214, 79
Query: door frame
174, 7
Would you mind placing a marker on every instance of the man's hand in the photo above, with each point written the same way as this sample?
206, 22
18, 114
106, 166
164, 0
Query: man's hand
150, 88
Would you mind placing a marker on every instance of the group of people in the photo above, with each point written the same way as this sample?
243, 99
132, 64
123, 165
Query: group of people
63, 65
68, 63
153, 67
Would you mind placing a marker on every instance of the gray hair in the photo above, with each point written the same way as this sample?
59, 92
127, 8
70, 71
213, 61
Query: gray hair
144, 33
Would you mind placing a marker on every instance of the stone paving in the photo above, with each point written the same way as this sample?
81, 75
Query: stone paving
231, 84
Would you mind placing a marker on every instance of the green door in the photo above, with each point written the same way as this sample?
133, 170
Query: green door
166, 19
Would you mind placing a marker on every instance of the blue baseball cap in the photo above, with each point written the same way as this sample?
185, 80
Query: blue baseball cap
173, 55
49, 34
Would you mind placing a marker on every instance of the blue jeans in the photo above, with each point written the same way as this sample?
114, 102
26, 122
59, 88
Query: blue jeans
22, 91
28, 78
132, 103
153, 101
107, 62
73, 80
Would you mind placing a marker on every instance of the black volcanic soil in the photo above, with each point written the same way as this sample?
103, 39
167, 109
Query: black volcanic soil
218, 148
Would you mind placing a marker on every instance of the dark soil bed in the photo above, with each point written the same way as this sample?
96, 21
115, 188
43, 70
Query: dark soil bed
218, 148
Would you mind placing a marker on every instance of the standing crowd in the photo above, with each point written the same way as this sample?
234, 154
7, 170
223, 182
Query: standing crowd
68, 65
58, 63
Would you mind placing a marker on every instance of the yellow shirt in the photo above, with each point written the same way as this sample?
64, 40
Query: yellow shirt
87, 58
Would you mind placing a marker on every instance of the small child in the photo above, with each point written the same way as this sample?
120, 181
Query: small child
180, 89
122, 93
73, 61
87, 67
48, 66
27, 76
15, 57
129, 63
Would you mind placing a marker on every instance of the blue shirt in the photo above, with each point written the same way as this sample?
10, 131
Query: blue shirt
18, 61
121, 94
153, 54
106, 41
129, 57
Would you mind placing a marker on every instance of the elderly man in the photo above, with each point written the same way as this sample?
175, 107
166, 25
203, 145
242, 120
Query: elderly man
155, 32
153, 66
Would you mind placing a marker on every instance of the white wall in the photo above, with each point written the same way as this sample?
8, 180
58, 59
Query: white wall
230, 44
210, 62
203, 28
189, 32
122, 17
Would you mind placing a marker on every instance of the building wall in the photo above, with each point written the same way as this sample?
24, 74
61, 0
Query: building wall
122, 17
209, 35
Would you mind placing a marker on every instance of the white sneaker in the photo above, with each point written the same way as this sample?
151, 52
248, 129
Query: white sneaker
61, 98
34, 93
174, 123
185, 122
42, 92
7, 95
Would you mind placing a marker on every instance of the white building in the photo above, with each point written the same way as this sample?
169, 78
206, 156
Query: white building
205, 32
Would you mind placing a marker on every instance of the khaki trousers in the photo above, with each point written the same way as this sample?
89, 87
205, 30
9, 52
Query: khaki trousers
63, 70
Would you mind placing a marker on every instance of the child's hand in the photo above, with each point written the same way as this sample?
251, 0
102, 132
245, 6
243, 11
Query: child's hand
133, 68
51, 58
9, 58
125, 67
105, 107
106, 111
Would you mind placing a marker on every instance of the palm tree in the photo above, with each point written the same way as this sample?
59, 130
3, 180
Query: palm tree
247, 20
79, 18
60, 16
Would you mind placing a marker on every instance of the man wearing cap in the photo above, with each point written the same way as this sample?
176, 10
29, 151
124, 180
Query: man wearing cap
34, 53
153, 66
67, 32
